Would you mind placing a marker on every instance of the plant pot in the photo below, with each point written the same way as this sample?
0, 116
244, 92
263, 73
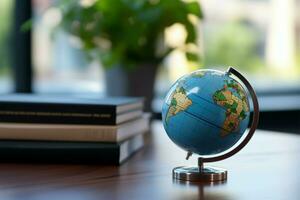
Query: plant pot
137, 83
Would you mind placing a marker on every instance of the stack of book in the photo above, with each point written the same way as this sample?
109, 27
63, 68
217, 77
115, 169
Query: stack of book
71, 129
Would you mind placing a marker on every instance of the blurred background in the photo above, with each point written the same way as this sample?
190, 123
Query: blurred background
41, 53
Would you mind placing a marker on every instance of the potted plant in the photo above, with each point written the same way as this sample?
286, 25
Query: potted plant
128, 37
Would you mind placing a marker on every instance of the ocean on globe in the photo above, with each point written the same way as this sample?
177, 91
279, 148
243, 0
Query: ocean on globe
206, 112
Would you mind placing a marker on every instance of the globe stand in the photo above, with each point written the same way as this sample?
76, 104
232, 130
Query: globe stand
200, 173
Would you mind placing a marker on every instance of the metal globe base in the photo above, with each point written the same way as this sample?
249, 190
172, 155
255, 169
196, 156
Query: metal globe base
200, 173
207, 174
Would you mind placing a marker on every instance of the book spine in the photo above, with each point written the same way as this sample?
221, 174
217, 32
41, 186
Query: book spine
57, 113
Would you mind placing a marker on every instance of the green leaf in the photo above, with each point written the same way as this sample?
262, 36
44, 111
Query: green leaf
150, 15
192, 56
191, 33
135, 4
26, 26
194, 8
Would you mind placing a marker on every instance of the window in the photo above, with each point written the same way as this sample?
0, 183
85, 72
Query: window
6, 15
259, 38
59, 65
253, 36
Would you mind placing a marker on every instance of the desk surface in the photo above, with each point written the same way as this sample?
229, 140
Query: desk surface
268, 168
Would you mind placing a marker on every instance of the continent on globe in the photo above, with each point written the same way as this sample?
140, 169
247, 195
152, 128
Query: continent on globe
179, 102
232, 98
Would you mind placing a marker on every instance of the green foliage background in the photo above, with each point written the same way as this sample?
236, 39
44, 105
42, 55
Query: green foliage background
233, 44
129, 32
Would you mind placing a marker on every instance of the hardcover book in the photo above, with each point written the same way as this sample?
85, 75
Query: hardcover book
84, 133
69, 152
31, 108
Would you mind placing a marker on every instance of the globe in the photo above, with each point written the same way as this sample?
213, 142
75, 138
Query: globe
206, 112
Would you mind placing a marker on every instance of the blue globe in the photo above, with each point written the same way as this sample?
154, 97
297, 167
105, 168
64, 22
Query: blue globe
206, 112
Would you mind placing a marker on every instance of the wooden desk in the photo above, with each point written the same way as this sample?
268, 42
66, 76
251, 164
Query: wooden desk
268, 168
